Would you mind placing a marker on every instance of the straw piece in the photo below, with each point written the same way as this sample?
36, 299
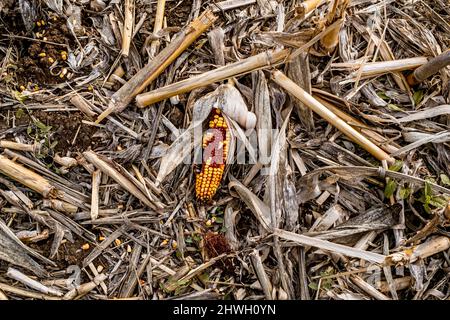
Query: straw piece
262, 60
25, 293
307, 6
127, 27
96, 178
325, 113
19, 276
19, 146
422, 251
60, 206
373, 136
109, 170
151, 71
231, 4
430, 68
382, 67
261, 274
81, 103
330, 246
27, 177
399, 284
85, 288
159, 21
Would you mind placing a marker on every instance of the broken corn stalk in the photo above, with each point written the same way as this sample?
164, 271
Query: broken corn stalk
215, 151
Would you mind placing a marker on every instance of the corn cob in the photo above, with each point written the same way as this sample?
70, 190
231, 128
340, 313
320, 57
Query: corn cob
215, 151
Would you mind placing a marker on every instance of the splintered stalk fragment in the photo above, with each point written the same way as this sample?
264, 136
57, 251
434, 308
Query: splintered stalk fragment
307, 6
19, 146
27, 177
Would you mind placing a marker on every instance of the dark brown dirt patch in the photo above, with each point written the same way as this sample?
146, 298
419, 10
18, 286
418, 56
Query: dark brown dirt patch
178, 13
68, 253
44, 58
65, 126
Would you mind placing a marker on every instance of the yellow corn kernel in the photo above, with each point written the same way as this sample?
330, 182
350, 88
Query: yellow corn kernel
85, 246
117, 242
164, 242
63, 73
101, 238
22, 88
38, 23
208, 222
42, 54
174, 245
51, 60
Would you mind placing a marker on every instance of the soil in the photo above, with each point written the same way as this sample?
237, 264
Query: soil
22, 121
178, 15
34, 70
64, 128
68, 253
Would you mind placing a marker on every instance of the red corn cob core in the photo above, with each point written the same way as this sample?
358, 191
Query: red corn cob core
215, 151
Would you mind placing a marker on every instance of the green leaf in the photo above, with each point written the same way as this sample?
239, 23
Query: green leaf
19, 113
204, 277
417, 97
438, 202
383, 96
427, 189
394, 107
53, 145
19, 96
313, 286
404, 192
398, 164
42, 126
183, 283
427, 208
219, 220
196, 238
390, 188
219, 210
431, 180
445, 180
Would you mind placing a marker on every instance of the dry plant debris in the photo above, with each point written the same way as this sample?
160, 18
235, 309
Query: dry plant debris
334, 146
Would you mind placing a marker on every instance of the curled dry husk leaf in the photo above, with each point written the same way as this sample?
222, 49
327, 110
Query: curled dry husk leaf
227, 98
256, 205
